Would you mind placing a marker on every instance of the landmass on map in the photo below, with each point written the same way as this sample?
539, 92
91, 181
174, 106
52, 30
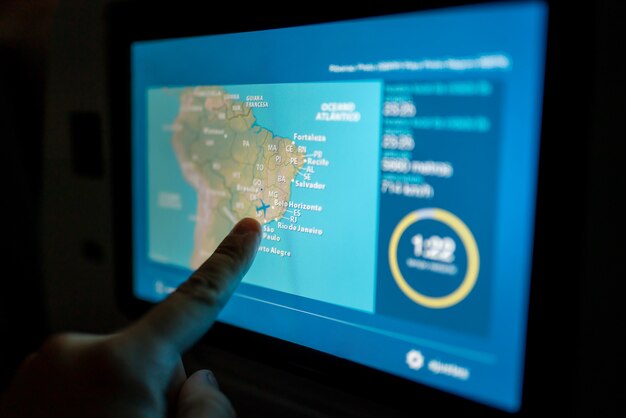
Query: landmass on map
237, 167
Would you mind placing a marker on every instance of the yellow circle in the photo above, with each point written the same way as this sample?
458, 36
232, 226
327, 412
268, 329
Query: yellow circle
471, 249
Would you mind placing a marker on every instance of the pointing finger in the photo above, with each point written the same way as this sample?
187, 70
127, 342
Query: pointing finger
188, 313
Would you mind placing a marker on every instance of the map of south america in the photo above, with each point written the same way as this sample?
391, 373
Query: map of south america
236, 166
301, 158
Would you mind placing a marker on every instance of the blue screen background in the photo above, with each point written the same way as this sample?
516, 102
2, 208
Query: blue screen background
494, 353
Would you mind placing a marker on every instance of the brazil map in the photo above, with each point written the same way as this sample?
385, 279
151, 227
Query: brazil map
297, 157
232, 163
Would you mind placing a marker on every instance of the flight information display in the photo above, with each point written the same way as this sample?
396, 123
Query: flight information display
392, 162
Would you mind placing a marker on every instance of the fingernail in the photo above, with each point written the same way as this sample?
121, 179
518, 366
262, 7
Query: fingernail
211, 379
246, 226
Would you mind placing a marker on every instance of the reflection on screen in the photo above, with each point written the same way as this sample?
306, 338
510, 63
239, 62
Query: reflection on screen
392, 162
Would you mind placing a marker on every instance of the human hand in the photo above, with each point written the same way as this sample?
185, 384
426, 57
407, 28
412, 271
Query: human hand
138, 372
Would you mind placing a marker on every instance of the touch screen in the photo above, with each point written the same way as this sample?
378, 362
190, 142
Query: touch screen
392, 162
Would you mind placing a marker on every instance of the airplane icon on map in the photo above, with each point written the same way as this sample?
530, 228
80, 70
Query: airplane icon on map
264, 206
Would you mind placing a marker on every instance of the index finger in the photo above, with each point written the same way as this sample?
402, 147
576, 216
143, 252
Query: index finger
188, 313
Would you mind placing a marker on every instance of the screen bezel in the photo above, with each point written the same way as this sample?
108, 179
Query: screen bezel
551, 332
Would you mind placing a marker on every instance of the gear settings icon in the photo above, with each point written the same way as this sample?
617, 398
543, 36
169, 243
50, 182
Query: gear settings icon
415, 359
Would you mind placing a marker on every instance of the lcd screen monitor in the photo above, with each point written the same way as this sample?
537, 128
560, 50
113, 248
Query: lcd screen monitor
392, 162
